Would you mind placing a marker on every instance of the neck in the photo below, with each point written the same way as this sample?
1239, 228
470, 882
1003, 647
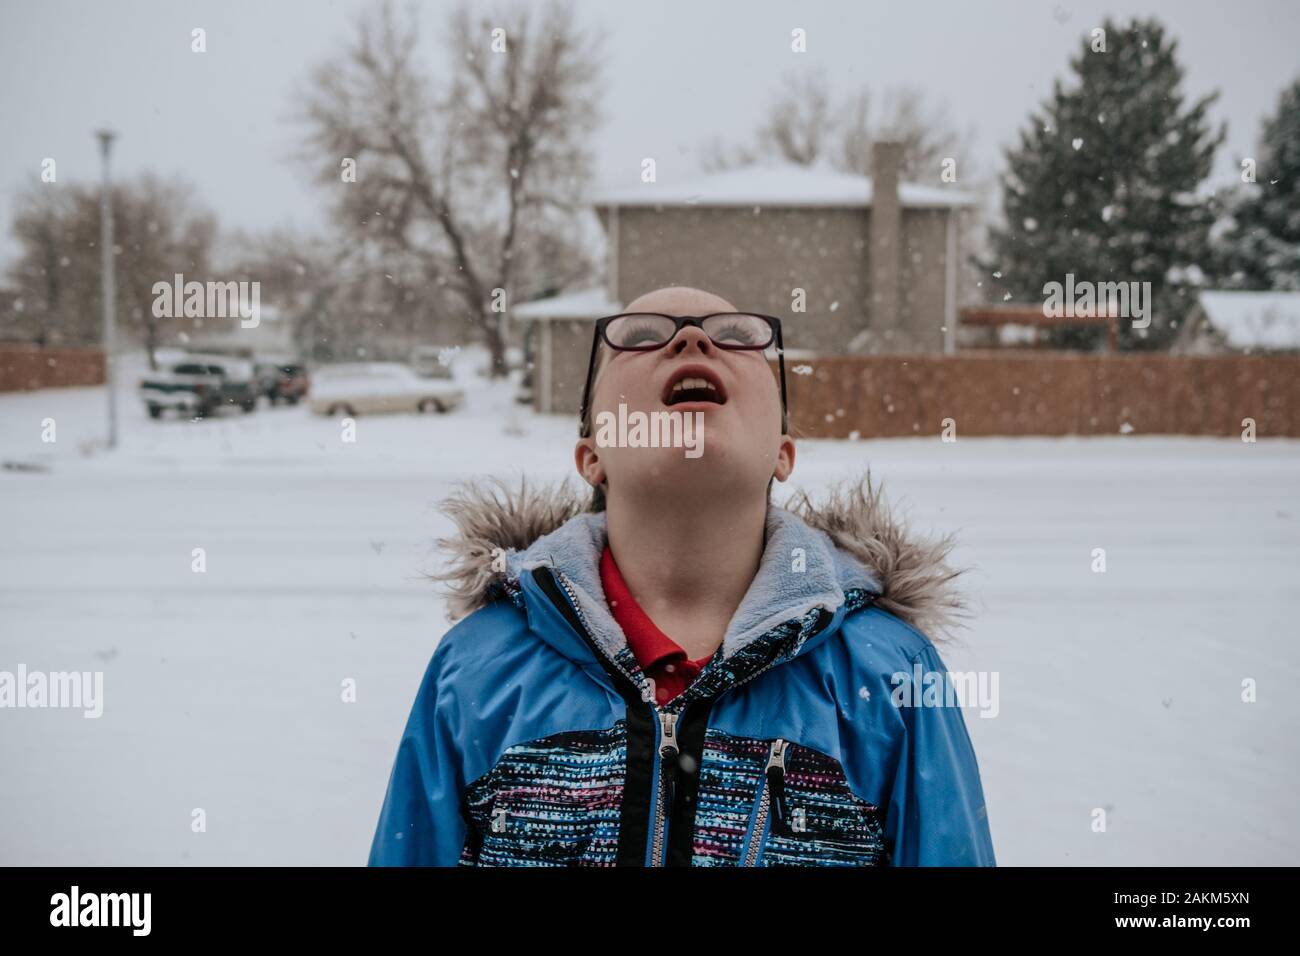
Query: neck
688, 567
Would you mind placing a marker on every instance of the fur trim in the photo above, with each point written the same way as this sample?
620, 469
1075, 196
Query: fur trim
492, 517
917, 583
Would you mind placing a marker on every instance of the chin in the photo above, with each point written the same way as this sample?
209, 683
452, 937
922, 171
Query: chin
718, 470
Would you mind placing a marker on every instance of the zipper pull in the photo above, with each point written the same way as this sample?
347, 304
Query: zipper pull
668, 752
668, 745
775, 772
776, 755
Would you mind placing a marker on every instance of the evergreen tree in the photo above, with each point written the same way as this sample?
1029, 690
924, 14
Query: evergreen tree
1261, 249
1102, 184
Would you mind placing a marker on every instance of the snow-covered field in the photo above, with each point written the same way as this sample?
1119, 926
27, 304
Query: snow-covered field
223, 690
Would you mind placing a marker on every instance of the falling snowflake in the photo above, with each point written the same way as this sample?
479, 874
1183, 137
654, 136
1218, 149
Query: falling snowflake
802, 369
1126, 429
1077, 142
864, 693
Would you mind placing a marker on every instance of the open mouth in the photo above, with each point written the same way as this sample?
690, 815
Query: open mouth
694, 384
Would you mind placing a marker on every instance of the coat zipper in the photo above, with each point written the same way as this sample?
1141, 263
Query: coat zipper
665, 754
668, 753
775, 765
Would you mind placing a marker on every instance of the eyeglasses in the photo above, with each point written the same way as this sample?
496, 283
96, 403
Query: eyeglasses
647, 331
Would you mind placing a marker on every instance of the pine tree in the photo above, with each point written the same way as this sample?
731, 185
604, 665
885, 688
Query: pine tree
1102, 184
1261, 249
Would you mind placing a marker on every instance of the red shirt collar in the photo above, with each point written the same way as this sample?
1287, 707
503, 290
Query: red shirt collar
650, 645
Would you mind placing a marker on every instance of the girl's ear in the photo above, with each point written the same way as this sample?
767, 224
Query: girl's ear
587, 460
784, 459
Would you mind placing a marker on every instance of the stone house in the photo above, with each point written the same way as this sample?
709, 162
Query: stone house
850, 264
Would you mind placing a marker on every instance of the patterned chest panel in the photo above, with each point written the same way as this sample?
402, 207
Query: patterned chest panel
813, 819
731, 774
550, 802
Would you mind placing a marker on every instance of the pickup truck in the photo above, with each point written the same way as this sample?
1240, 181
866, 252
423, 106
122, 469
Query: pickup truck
199, 386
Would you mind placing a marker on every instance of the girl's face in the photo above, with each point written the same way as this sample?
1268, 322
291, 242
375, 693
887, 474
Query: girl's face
729, 405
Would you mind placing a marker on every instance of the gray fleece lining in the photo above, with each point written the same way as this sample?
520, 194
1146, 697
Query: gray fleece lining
780, 590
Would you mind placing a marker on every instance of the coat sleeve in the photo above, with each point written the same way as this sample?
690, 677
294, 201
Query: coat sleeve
936, 814
421, 822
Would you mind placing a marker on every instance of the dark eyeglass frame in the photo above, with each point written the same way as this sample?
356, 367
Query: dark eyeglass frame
681, 321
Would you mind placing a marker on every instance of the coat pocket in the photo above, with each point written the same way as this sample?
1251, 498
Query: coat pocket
806, 814
549, 802
765, 805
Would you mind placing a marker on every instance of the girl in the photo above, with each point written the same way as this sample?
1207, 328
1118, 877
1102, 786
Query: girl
677, 672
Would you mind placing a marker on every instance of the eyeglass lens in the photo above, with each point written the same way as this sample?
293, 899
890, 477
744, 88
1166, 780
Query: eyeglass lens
729, 331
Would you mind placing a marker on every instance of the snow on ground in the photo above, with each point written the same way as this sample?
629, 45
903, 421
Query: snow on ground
222, 690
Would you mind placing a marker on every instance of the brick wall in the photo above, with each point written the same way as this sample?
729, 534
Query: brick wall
27, 367
1046, 393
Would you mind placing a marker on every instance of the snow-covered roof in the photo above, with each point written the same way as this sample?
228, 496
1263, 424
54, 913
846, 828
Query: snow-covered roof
1255, 320
786, 185
581, 304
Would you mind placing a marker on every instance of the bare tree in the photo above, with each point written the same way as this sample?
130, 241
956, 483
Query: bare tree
301, 275
804, 124
461, 173
926, 132
800, 120
41, 223
159, 232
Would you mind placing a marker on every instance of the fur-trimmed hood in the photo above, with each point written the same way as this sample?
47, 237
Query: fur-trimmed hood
851, 538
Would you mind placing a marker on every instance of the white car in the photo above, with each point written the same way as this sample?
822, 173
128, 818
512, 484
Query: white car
376, 387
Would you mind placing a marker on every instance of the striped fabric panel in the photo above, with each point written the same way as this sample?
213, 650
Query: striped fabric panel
842, 829
550, 802
730, 775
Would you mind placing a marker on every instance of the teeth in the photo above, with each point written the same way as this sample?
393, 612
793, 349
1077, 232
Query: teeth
694, 383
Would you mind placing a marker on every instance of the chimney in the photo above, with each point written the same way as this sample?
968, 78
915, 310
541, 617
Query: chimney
886, 241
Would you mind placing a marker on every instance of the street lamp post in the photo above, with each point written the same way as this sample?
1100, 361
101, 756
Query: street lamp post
108, 286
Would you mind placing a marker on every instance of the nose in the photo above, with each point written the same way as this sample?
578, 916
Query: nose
691, 337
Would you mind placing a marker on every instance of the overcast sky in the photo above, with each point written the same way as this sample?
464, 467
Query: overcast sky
677, 74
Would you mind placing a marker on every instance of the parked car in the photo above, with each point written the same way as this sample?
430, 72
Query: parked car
199, 385
282, 381
378, 387
434, 361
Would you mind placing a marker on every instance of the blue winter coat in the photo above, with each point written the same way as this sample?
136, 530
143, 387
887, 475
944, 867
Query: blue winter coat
535, 739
